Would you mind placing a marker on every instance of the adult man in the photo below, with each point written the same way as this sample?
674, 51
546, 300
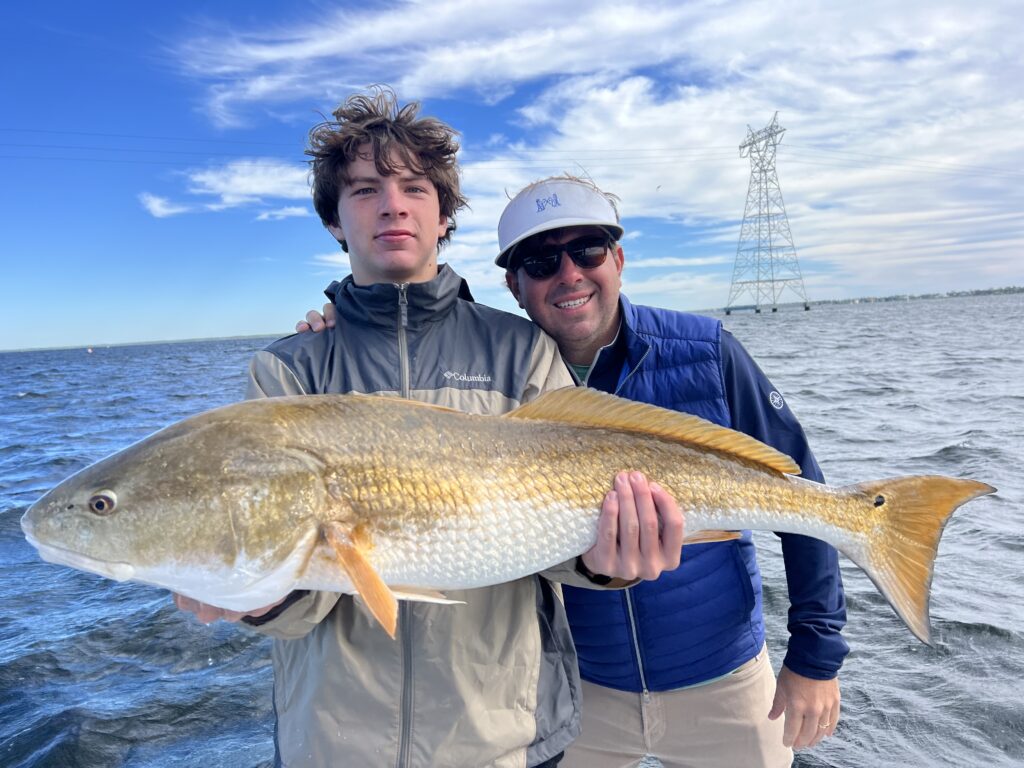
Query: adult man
675, 668
493, 681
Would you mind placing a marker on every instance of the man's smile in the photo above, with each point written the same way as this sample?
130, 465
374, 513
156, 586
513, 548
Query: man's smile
574, 303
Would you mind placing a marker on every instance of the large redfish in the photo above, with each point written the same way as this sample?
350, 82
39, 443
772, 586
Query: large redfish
391, 499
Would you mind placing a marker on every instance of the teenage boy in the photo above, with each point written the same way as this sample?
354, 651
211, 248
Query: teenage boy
494, 681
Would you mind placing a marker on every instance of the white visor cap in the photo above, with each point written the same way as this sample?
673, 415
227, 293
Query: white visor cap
552, 205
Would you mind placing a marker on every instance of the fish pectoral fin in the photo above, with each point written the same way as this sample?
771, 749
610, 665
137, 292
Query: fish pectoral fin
708, 537
583, 407
371, 587
417, 594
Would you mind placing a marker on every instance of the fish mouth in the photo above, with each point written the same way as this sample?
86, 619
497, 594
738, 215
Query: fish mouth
61, 556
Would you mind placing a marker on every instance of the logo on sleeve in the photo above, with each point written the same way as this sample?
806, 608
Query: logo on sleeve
454, 376
776, 400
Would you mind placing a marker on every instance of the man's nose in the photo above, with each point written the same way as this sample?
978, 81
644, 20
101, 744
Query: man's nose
568, 271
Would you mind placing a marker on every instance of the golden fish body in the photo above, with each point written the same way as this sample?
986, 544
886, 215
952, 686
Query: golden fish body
238, 506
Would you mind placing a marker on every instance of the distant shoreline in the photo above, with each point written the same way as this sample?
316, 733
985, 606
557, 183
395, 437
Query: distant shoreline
146, 343
913, 296
717, 310
1010, 290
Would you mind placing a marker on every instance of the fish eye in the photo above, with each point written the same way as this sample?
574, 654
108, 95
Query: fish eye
103, 502
879, 501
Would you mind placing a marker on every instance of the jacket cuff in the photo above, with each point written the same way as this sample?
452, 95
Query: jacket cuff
816, 654
594, 578
277, 610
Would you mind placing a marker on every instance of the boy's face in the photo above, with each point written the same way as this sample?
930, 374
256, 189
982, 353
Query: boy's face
578, 307
391, 224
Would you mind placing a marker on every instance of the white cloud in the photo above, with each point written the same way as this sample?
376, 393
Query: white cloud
161, 207
901, 157
290, 211
242, 182
676, 261
335, 260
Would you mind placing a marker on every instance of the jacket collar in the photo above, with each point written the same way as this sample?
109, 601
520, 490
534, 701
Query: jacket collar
378, 304
619, 360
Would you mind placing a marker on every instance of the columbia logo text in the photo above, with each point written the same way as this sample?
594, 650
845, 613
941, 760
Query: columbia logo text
453, 376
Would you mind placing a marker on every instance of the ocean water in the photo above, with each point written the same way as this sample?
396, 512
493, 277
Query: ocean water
95, 673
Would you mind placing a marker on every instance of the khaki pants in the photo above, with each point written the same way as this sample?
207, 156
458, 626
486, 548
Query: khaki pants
723, 724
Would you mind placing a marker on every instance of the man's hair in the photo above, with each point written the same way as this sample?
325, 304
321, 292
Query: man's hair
394, 136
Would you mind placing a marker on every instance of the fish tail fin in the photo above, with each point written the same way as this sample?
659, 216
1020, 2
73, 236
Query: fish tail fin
900, 557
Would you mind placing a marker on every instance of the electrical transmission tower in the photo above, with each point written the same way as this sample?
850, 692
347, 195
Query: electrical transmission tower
765, 256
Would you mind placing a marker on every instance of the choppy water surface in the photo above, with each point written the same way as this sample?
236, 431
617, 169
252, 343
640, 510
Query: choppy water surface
94, 673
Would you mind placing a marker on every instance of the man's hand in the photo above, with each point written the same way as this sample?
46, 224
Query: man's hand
811, 707
210, 613
639, 533
316, 322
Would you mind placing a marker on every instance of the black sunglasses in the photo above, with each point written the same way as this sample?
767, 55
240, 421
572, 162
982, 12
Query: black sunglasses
542, 261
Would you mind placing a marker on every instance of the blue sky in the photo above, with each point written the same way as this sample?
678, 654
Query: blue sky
154, 185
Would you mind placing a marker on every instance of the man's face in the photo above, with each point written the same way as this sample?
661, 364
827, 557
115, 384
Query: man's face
391, 224
578, 307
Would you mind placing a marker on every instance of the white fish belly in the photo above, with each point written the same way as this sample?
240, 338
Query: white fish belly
764, 519
499, 542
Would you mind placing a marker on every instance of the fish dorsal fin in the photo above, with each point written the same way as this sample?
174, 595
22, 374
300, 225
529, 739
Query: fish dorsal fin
592, 408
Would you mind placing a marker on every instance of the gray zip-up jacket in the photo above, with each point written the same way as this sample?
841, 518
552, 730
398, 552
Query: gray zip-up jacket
492, 682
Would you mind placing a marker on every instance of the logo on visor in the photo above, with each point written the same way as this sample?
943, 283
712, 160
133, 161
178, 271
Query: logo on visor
776, 400
547, 202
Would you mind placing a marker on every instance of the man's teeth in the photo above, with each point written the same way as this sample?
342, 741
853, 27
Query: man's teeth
573, 303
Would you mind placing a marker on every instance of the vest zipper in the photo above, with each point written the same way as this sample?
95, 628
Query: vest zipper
629, 596
404, 612
628, 375
636, 644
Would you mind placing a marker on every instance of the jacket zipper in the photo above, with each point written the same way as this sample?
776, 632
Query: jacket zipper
636, 644
403, 324
404, 618
406, 725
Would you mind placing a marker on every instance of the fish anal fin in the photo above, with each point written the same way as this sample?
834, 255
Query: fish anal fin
708, 537
592, 408
371, 588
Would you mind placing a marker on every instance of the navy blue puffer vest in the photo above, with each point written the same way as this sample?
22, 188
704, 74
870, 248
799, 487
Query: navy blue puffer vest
702, 620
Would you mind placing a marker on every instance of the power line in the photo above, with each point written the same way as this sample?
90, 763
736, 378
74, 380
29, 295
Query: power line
940, 164
139, 136
532, 159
